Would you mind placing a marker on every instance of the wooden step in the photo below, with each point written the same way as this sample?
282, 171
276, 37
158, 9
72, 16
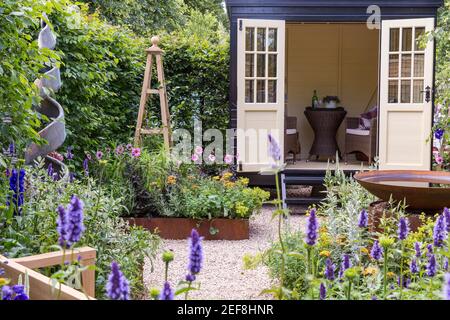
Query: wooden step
304, 201
304, 180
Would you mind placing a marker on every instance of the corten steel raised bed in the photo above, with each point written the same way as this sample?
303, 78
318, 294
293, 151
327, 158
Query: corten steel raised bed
419, 189
380, 209
180, 228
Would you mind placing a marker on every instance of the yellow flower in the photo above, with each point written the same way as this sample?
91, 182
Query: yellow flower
229, 184
226, 176
364, 251
171, 180
325, 253
3, 282
216, 178
370, 271
241, 209
323, 229
103, 162
244, 181
390, 275
341, 239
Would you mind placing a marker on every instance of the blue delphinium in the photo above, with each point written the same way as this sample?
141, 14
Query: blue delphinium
363, 220
439, 232
50, 170
69, 154
329, 269
431, 267
274, 149
311, 228
413, 267
195, 252
446, 289
166, 293
417, 246
117, 287
11, 149
16, 186
323, 292
377, 251
445, 264
439, 133
403, 228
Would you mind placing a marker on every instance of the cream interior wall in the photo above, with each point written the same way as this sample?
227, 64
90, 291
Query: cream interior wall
334, 59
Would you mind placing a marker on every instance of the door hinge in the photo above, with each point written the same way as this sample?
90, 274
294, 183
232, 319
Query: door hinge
240, 25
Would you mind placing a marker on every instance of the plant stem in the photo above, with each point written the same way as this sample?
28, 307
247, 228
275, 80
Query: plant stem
189, 288
166, 272
349, 290
385, 273
280, 236
401, 270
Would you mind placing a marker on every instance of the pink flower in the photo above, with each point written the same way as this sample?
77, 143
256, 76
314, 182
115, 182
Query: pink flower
136, 152
212, 158
195, 157
120, 150
129, 147
88, 156
228, 159
198, 150
99, 155
439, 160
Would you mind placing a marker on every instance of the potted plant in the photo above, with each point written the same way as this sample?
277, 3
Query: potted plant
331, 102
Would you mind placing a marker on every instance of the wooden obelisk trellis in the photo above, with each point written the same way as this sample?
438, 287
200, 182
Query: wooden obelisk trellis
154, 53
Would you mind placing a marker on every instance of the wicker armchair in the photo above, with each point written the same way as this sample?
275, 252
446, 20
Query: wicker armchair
291, 141
361, 140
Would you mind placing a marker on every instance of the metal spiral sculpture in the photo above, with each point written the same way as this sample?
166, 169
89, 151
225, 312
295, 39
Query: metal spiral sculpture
55, 132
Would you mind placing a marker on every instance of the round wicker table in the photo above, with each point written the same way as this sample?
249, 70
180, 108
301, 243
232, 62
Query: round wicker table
325, 124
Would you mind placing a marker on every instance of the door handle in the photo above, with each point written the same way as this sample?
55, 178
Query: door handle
427, 94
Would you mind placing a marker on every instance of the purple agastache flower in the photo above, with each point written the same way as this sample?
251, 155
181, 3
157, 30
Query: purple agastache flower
446, 288
61, 226
374, 298
19, 290
70, 225
439, 133
431, 267
166, 293
413, 267
403, 228
439, 232
362, 221
274, 149
16, 185
406, 282
69, 154
323, 292
329, 269
311, 228
195, 252
190, 277
346, 263
429, 250
446, 214
86, 166
341, 272
117, 287
417, 246
75, 226
377, 251
445, 264
7, 293
71, 177
50, 170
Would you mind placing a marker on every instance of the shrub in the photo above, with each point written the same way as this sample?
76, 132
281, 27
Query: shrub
35, 232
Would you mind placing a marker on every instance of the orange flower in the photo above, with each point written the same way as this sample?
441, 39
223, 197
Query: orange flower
325, 253
171, 180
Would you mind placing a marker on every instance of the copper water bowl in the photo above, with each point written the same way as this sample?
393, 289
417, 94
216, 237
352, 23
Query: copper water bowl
425, 190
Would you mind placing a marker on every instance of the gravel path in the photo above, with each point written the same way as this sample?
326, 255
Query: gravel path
223, 276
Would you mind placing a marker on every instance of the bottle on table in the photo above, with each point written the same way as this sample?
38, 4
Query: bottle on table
315, 100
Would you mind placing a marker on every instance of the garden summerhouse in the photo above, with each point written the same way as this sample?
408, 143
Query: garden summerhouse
373, 55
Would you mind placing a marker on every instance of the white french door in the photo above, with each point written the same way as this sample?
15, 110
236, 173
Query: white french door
260, 89
406, 84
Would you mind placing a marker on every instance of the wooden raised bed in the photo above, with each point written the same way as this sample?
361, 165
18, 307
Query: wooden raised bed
40, 285
180, 228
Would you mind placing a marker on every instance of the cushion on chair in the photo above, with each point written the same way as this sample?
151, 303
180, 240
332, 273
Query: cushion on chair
358, 132
366, 117
291, 131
